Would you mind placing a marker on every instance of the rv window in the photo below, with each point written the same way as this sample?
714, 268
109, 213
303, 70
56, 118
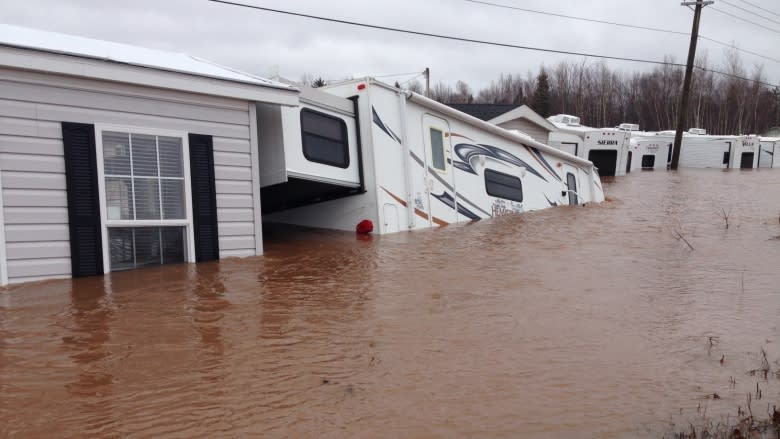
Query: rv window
324, 139
726, 157
437, 150
648, 161
498, 184
144, 184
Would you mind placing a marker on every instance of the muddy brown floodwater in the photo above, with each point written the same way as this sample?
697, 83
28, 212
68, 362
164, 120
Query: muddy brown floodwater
571, 322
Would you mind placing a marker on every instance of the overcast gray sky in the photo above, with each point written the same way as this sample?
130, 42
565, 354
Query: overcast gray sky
264, 43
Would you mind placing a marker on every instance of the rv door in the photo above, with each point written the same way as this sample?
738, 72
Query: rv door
438, 173
572, 186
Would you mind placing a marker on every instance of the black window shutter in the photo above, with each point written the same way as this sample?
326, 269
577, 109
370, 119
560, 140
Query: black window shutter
204, 198
81, 177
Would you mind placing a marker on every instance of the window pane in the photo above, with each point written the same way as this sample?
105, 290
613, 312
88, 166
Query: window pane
171, 163
147, 246
133, 247
120, 248
119, 198
172, 244
116, 153
173, 199
324, 139
147, 198
322, 150
322, 125
144, 155
437, 149
498, 184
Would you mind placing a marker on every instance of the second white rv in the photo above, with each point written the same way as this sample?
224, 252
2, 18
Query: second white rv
607, 148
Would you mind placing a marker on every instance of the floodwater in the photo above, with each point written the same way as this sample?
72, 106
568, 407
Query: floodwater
571, 322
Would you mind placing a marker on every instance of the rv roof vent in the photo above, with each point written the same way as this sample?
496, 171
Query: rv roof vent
699, 131
566, 119
628, 127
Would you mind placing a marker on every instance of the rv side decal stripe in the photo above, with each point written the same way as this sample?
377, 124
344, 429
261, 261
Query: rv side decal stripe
540, 158
447, 199
419, 212
466, 151
384, 127
447, 185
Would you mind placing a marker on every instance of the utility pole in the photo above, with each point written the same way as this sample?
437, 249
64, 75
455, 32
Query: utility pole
427, 73
683, 110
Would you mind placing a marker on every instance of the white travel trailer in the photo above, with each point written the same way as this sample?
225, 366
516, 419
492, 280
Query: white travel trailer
651, 152
648, 151
406, 162
707, 151
700, 150
770, 147
607, 148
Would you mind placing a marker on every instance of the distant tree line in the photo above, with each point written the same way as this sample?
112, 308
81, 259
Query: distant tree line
603, 97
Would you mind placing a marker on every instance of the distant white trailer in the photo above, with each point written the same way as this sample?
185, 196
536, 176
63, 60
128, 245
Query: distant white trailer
419, 164
700, 150
769, 148
607, 148
748, 150
651, 152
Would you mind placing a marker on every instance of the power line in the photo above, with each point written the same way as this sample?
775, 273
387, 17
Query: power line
732, 46
759, 7
476, 41
748, 11
395, 75
744, 19
572, 17
631, 26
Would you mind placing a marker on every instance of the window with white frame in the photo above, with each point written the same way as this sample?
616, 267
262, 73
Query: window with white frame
145, 198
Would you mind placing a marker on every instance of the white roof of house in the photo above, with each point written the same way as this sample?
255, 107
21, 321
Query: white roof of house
26, 38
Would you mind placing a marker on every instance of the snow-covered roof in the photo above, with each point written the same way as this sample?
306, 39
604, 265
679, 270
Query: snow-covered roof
26, 38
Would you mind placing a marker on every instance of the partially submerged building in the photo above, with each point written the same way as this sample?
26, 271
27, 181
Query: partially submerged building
114, 156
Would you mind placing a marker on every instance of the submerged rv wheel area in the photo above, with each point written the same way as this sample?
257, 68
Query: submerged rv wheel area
605, 160
298, 192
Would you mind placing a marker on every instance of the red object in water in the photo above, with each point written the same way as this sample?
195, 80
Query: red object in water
361, 86
364, 227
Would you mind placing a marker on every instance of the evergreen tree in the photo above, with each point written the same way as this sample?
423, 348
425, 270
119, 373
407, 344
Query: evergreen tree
319, 82
541, 99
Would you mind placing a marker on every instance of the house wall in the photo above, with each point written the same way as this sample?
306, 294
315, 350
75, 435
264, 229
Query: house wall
538, 133
32, 167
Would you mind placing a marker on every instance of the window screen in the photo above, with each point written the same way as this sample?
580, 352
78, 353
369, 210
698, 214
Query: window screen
648, 161
324, 139
498, 184
726, 157
144, 178
438, 160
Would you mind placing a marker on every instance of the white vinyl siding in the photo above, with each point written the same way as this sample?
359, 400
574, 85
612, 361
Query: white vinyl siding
32, 107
